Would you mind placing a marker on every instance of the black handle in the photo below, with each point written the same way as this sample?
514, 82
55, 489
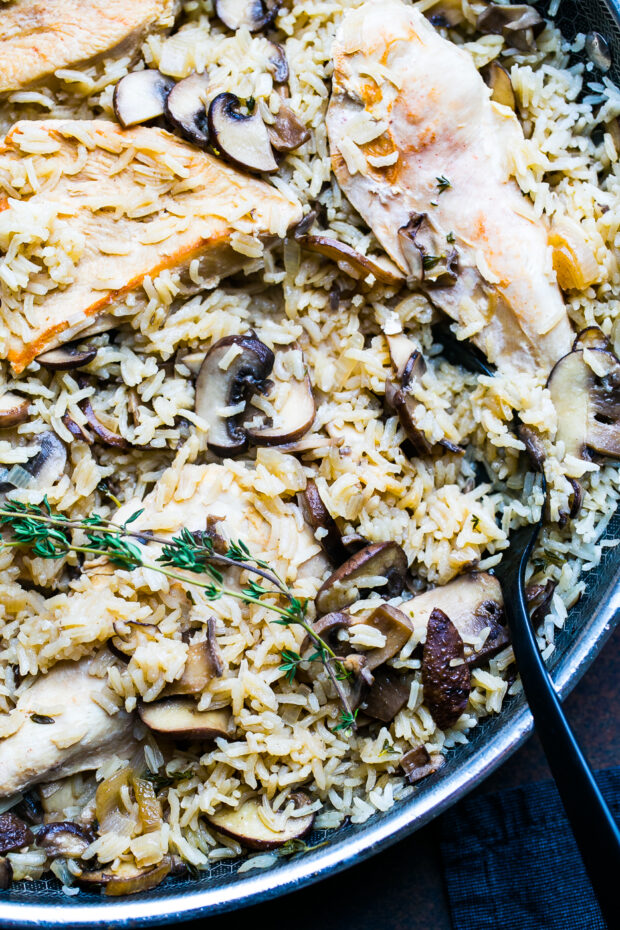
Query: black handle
593, 825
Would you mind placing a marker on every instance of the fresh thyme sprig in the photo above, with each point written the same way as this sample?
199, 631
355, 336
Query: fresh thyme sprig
183, 558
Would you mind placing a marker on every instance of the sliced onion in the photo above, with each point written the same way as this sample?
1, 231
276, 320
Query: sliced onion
573, 260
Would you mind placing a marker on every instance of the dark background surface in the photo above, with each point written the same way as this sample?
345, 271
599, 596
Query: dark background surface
402, 888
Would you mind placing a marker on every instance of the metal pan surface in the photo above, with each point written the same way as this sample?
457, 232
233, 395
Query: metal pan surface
591, 621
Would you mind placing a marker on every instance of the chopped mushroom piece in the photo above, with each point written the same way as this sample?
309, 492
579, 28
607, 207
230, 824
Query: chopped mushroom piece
397, 629
180, 717
445, 674
220, 390
348, 260
67, 357
6, 874
318, 517
295, 416
186, 108
241, 138
539, 597
42, 470
388, 694
365, 568
140, 96
128, 878
500, 84
14, 833
13, 409
107, 437
327, 627
253, 14
278, 64
418, 763
204, 662
585, 390
64, 838
519, 24
452, 149
287, 132
246, 825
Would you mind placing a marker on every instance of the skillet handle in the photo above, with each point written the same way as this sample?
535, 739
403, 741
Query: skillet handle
593, 825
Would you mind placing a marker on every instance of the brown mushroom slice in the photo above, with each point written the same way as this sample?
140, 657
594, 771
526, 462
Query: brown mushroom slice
220, 388
327, 627
351, 262
519, 24
401, 349
278, 63
397, 629
14, 833
445, 675
64, 838
404, 405
105, 435
124, 644
178, 716
127, 878
241, 138
474, 603
591, 338
318, 517
6, 874
287, 132
186, 108
418, 763
539, 597
500, 84
67, 357
587, 402
386, 560
533, 446
388, 695
13, 409
296, 416
140, 96
253, 14
246, 825
202, 664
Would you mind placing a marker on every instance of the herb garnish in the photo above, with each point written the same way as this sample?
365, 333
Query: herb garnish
442, 183
160, 782
429, 261
450, 237
475, 521
41, 718
49, 535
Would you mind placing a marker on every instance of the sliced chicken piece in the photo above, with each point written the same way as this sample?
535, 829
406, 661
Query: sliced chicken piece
82, 736
37, 37
426, 157
126, 205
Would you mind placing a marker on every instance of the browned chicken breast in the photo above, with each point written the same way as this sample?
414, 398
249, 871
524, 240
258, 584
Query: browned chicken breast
81, 736
426, 157
37, 37
126, 205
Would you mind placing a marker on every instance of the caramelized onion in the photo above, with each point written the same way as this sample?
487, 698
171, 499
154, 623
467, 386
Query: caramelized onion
573, 260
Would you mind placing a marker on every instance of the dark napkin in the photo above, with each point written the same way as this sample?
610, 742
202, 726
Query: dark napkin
511, 862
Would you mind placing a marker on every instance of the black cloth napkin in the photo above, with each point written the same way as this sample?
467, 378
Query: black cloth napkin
511, 862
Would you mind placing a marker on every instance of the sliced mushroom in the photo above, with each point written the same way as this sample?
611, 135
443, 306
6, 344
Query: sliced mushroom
13, 409
14, 833
128, 878
140, 96
318, 517
585, 390
397, 629
351, 262
418, 763
246, 825
186, 108
67, 357
386, 560
253, 14
500, 84
219, 389
64, 839
591, 338
519, 24
203, 663
6, 874
388, 694
287, 132
179, 717
539, 597
404, 405
278, 63
106, 435
328, 627
426, 252
296, 416
445, 675
533, 446
401, 350
241, 138
129, 635
42, 470
475, 606
30, 809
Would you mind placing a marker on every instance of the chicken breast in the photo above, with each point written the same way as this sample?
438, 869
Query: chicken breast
94, 210
82, 736
37, 37
426, 157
